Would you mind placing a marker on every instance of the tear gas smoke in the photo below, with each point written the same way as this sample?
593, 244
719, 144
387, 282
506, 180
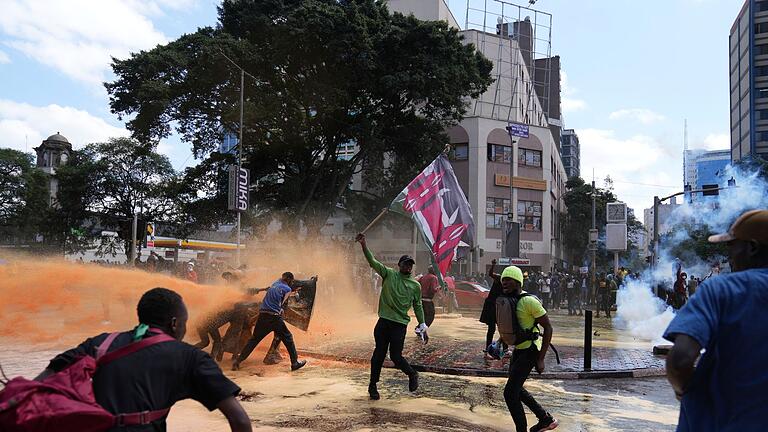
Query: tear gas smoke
645, 315
59, 302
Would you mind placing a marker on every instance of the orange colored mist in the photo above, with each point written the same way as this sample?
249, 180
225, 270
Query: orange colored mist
60, 302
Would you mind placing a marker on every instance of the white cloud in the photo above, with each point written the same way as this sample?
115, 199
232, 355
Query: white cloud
641, 166
713, 141
568, 102
642, 115
79, 37
4, 57
24, 126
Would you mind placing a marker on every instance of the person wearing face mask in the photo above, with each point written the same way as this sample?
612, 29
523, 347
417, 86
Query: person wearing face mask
140, 388
399, 292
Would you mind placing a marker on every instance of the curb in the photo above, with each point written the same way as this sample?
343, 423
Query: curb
496, 373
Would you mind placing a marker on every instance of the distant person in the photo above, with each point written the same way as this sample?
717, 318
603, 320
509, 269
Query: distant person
528, 354
603, 296
190, 274
726, 388
430, 286
145, 384
399, 292
271, 320
488, 315
545, 290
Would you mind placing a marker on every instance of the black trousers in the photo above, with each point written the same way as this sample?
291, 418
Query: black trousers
389, 335
489, 334
266, 324
429, 312
523, 361
604, 303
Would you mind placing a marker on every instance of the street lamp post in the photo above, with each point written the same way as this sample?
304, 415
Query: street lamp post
240, 155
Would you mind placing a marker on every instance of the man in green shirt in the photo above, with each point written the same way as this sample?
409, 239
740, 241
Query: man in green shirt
399, 291
527, 354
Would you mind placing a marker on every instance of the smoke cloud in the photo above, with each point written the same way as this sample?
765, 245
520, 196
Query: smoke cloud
644, 314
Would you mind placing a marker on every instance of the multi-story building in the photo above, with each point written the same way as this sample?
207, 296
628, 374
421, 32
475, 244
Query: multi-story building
749, 81
705, 169
570, 151
523, 177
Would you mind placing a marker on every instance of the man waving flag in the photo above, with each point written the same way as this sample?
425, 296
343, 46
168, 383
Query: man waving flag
437, 205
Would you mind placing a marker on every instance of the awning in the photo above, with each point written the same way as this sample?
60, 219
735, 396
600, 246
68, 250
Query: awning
195, 244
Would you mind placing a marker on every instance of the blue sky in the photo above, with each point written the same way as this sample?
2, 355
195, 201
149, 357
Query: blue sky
634, 71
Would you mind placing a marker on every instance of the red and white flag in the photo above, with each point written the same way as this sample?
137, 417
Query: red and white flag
438, 206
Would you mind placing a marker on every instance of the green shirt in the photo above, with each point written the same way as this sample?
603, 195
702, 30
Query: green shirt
528, 309
398, 293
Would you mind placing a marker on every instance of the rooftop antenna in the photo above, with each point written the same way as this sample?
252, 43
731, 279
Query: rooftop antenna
685, 151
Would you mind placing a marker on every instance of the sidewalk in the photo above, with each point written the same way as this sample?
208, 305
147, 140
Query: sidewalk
455, 348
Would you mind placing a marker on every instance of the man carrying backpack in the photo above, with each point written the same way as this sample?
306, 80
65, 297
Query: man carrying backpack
529, 353
140, 387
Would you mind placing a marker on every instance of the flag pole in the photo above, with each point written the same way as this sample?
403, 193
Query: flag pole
376, 219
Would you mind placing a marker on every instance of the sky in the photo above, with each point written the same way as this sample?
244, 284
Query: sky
632, 72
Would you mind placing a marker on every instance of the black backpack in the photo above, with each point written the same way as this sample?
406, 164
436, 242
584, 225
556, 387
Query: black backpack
510, 330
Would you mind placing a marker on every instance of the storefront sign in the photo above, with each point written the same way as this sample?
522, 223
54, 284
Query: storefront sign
239, 183
518, 130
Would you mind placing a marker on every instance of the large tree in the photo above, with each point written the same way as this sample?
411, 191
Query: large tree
578, 222
320, 74
24, 195
113, 180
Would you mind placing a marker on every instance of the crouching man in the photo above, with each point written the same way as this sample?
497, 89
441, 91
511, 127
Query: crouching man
148, 382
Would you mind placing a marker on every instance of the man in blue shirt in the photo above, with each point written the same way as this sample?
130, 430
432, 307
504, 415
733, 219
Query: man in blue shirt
726, 389
271, 320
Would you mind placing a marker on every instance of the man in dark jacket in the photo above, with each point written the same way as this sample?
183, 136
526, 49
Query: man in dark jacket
158, 376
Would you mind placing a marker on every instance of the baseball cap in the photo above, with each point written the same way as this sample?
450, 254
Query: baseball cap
406, 258
752, 225
513, 272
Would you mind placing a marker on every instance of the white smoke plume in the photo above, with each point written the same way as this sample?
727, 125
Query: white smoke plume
644, 314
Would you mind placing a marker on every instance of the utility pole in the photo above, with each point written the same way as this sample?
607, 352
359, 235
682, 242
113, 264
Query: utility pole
593, 234
134, 227
240, 156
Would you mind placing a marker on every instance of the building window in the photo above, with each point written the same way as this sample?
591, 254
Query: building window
761, 71
762, 136
499, 153
529, 215
495, 209
460, 152
761, 49
529, 157
761, 28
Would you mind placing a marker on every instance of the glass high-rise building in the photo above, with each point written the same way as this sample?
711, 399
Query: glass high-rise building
748, 49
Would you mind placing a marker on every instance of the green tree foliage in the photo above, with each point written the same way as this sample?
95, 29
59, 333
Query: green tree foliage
689, 242
321, 73
115, 179
578, 222
23, 195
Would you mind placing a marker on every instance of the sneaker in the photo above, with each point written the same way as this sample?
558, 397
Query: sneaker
413, 382
373, 392
545, 424
298, 365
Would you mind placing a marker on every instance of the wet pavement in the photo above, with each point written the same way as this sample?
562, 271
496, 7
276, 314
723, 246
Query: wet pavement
456, 348
331, 396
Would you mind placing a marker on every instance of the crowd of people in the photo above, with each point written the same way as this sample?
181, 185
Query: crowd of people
711, 334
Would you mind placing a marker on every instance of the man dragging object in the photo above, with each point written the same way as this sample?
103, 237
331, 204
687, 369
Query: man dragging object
271, 320
527, 354
399, 291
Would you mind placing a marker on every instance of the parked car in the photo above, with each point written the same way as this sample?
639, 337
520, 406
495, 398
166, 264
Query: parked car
469, 295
